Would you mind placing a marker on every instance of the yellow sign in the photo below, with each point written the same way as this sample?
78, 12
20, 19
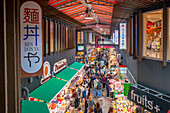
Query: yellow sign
80, 53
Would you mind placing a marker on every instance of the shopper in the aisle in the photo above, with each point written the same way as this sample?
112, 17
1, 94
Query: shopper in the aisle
91, 110
99, 88
79, 110
81, 96
107, 88
78, 90
97, 109
86, 104
95, 87
110, 110
91, 103
75, 96
104, 81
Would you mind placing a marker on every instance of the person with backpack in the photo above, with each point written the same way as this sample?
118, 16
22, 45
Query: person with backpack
99, 88
98, 109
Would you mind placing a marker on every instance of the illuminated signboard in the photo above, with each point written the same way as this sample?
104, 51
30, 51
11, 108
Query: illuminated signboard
113, 37
80, 48
116, 37
122, 35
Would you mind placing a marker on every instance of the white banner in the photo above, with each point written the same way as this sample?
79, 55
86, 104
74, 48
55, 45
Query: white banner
113, 38
116, 37
31, 36
90, 37
122, 36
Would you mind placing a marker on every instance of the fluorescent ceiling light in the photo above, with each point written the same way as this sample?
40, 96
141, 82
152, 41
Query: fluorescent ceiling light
88, 18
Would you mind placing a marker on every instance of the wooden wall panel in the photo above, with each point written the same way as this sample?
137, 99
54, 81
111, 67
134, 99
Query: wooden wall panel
55, 32
134, 36
44, 35
130, 34
165, 35
49, 20
140, 35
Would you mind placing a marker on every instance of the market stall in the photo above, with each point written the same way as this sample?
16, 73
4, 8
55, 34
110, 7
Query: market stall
34, 107
57, 92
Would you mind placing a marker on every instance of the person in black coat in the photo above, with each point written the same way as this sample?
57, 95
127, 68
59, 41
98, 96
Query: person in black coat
86, 104
107, 88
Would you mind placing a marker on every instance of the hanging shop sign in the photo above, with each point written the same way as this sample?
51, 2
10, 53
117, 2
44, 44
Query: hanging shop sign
96, 41
150, 101
122, 36
113, 38
46, 72
126, 88
31, 38
80, 53
116, 37
60, 65
105, 46
90, 37
80, 48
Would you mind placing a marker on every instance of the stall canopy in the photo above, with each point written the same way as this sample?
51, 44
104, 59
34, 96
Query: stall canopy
66, 74
76, 65
34, 107
48, 90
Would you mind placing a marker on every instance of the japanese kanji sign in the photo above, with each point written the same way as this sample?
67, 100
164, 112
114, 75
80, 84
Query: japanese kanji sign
113, 38
116, 37
122, 36
31, 36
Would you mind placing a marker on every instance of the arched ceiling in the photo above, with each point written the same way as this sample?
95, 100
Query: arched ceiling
101, 11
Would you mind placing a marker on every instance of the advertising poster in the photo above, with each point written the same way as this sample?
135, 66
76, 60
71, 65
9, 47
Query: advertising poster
122, 35
116, 37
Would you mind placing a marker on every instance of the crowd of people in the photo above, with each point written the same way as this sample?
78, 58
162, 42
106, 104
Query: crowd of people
94, 82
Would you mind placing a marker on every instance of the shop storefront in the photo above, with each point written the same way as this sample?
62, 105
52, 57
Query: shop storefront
152, 34
149, 99
57, 92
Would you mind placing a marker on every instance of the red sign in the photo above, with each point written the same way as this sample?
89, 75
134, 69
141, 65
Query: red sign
96, 41
59, 65
105, 46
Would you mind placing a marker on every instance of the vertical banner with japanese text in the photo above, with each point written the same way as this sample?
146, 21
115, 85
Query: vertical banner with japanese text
96, 41
31, 39
113, 38
122, 36
116, 37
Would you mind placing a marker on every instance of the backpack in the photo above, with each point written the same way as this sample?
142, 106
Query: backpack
79, 91
75, 95
99, 86
84, 94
